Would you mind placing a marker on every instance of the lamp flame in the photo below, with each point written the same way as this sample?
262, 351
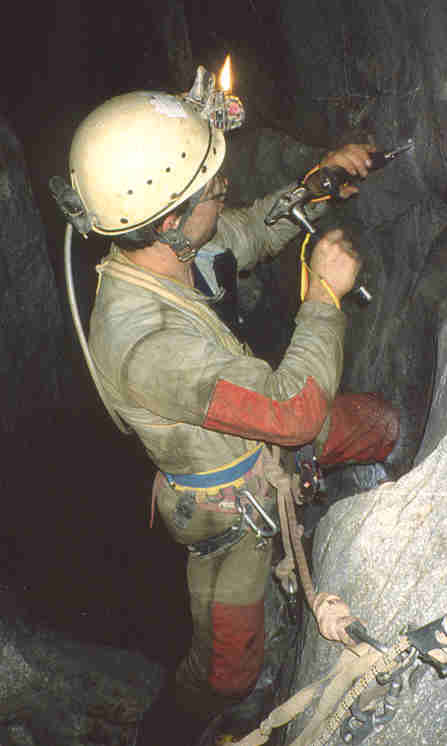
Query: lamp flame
225, 75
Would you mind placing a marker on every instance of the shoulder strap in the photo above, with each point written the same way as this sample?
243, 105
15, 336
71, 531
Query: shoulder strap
113, 266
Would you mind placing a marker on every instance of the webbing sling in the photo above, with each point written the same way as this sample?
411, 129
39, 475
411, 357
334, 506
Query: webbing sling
353, 671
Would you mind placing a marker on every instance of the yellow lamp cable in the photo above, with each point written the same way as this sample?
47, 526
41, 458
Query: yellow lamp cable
305, 268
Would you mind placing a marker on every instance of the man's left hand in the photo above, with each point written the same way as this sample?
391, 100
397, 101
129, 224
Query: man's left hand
354, 159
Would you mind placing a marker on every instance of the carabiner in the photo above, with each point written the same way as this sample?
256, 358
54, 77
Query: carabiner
262, 534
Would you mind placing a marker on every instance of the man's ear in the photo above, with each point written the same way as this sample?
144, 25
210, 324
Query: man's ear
170, 221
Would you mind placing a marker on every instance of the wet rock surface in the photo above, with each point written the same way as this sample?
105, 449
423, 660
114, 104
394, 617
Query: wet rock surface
55, 690
382, 549
383, 552
32, 368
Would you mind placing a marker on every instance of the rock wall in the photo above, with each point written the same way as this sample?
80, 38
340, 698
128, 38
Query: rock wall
384, 553
56, 691
32, 368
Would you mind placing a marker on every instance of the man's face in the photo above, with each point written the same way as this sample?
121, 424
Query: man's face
201, 226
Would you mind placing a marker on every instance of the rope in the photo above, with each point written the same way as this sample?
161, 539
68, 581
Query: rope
331, 613
285, 569
385, 664
305, 268
360, 665
296, 534
275, 474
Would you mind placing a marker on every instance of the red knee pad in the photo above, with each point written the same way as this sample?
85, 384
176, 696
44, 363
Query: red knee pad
238, 647
364, 428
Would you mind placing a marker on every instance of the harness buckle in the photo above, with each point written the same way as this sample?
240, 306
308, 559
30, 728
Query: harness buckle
219, 543
309, 472
246, 511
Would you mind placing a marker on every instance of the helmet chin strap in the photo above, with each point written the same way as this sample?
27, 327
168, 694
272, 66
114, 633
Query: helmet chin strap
175, 238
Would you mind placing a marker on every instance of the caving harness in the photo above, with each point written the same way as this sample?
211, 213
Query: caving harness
251, 512
216, 479
230, 475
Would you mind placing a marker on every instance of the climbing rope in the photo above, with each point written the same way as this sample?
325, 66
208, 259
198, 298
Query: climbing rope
331, 612
355, 670
359, 663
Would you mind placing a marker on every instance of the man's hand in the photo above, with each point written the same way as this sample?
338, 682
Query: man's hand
354, 159
337, 263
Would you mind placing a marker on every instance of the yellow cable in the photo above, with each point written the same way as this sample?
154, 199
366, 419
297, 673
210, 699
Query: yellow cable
305, 270
321, 199
304, 267
309, 173
328, 288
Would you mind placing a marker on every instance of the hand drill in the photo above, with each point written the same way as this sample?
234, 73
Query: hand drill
323, 183
327, 181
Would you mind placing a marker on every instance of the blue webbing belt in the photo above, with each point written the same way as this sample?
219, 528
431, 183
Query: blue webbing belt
222, 477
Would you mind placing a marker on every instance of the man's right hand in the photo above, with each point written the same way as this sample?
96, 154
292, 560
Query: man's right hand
337, 263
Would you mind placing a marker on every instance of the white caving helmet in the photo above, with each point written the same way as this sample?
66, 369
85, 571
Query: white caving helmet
134, 159
139, 155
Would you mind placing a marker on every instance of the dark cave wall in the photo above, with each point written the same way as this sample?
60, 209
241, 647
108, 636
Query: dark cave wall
381, 70
349, 57
31, 331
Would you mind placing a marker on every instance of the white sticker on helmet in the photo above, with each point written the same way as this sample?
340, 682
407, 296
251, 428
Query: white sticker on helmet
168, 105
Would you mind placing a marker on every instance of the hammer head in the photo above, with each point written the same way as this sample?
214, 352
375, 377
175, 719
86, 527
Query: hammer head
290, 205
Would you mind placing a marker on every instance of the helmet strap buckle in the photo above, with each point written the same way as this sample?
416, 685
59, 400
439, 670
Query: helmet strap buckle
178, 242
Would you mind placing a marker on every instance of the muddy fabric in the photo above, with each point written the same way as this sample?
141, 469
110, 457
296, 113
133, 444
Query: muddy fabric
198, 400
166, 366
227, 606
227, 591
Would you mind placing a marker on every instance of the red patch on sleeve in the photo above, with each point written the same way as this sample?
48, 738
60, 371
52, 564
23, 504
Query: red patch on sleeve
239, 411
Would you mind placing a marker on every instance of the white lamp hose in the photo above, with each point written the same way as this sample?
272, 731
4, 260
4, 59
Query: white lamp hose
80, 331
